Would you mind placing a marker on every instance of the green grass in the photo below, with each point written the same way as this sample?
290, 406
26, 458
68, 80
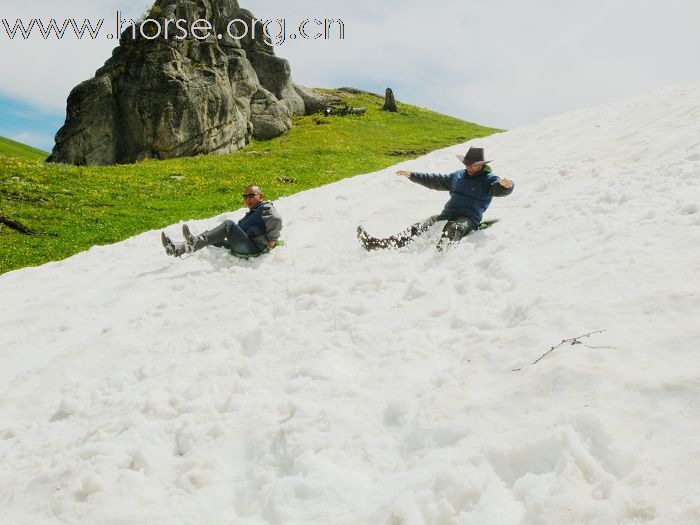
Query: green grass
72, 208
10, 148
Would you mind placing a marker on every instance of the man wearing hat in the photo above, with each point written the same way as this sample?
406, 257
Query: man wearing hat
471, 190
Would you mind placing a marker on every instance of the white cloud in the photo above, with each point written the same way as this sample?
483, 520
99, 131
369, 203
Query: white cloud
502, 63
42, 72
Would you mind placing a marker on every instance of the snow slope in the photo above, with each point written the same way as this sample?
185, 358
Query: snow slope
323, 385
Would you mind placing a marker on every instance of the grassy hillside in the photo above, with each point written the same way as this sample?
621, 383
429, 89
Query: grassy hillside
67, 209
10, 148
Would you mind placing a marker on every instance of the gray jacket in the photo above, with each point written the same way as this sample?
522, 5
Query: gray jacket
262, 224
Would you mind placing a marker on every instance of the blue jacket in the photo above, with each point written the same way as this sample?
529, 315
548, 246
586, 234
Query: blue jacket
469, 196
262, 223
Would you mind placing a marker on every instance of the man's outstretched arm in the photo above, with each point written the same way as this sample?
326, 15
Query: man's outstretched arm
434, 181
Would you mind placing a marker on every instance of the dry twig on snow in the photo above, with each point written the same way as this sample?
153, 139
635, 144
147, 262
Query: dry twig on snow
573, 341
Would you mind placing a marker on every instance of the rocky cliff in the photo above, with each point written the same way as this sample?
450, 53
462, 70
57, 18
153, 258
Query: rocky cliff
164, 98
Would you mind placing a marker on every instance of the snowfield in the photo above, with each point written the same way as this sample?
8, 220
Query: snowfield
325, 385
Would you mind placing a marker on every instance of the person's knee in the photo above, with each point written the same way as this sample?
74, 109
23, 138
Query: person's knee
450, 230
228, 225
455, 231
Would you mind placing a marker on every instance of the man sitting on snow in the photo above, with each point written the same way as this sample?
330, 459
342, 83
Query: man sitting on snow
471, 190
258, 231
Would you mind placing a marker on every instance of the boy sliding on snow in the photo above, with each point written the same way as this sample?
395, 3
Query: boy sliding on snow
471, 191
258, 231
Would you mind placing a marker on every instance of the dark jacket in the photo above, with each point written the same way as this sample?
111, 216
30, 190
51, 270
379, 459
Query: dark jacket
469, 196
262, 224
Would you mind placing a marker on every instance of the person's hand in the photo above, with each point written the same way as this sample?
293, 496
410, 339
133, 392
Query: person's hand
271, 244
506, 183
403, 173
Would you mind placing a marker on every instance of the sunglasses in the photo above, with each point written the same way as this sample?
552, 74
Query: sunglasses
250, 195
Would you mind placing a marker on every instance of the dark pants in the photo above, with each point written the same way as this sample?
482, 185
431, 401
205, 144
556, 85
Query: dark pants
230, 236
452, 232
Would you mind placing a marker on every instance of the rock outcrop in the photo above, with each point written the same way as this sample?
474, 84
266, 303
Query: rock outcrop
165, 98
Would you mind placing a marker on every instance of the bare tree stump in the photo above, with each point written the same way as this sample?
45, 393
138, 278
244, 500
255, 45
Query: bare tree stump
390, 101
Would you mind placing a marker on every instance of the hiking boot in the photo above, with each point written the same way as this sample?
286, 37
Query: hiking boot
171, 248
370, 243
192, 243
365, 239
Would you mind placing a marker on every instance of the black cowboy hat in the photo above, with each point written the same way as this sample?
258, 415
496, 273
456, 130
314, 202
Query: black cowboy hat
473, 156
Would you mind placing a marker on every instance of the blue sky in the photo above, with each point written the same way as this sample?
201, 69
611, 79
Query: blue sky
502, 63
29, 124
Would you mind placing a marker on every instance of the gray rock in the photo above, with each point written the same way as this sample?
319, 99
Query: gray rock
315, 102
171, 98
390, 101
270, 117
91, 111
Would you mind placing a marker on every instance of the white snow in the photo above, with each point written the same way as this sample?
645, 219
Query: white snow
321, 384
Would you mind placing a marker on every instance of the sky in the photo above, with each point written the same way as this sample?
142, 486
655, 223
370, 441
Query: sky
502, 63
